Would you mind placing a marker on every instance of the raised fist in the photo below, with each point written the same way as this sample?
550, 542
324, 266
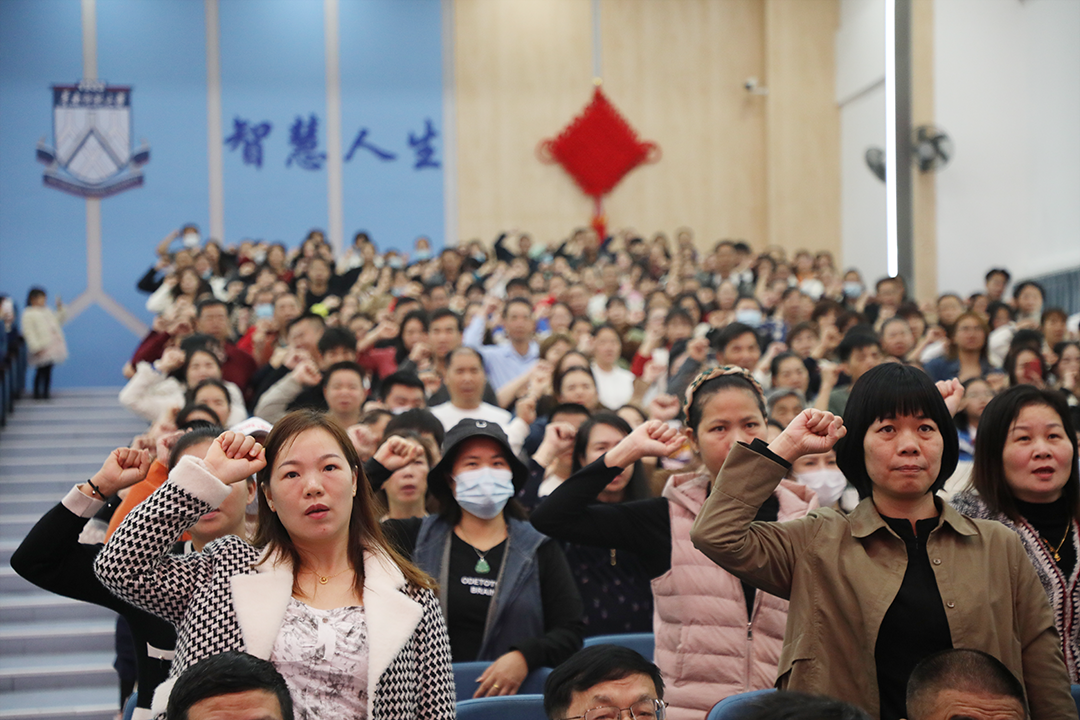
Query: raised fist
233, 457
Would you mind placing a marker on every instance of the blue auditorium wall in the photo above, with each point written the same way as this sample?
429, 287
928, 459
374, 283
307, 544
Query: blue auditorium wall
273, 70
395, 45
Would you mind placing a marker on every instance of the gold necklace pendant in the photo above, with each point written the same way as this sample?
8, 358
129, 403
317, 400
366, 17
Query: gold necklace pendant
323, 580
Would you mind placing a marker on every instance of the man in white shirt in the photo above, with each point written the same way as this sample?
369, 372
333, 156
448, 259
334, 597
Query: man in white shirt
614, 385
465, 381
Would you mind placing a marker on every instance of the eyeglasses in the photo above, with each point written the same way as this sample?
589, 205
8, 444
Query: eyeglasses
643, 710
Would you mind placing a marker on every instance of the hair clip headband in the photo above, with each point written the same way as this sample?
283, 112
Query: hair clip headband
716, 372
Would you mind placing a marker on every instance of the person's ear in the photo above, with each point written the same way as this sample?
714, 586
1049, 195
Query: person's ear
692, 437
355, 475
252, 491
269, 496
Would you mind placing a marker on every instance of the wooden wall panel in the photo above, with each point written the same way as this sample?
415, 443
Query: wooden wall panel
676, 70
765, 169
924, 190
802, 126
523, 68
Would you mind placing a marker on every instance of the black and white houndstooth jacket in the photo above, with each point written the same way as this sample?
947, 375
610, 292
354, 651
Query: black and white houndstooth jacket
221, 599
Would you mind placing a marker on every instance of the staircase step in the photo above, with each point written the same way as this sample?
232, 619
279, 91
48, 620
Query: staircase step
56, 653
92, 703
34, 504
80, 467
38, 482
20, 448
11, 582
56, 671
53, 637
69, 430
42, 606
16, 525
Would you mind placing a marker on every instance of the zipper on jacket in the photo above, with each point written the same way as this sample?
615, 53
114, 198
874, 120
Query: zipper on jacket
750, 641
749, 655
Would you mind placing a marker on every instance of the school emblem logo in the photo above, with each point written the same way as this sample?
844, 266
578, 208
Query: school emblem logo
91, 154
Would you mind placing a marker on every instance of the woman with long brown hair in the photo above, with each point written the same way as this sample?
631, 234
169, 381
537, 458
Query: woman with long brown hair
354, 628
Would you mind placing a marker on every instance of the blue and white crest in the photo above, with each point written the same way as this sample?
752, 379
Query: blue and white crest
91, 154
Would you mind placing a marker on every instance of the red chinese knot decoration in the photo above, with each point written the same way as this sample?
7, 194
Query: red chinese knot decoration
598, 148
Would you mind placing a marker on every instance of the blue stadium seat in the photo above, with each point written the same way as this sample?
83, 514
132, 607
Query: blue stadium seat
644, 643
518, 707
129, 706
465, 674
736, 706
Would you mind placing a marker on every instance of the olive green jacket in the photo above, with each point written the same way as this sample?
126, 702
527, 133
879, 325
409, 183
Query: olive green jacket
841, 573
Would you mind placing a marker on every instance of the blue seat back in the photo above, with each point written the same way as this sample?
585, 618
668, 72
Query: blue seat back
644, 643
129, 706
518, 707
736, 707
465, 674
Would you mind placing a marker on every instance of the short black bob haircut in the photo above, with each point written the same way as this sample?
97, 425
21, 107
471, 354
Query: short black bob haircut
591, 666
225, 674
888, 391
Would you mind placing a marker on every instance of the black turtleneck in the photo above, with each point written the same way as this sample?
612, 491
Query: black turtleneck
1052, 520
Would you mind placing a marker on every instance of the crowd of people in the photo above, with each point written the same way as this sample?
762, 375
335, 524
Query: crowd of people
380, 464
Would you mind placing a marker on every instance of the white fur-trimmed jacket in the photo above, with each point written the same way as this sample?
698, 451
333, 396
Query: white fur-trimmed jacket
223, 599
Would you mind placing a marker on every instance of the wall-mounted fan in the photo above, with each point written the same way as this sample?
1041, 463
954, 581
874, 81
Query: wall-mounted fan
931, 149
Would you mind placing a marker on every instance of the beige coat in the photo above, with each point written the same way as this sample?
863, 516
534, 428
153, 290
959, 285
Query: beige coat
841, 573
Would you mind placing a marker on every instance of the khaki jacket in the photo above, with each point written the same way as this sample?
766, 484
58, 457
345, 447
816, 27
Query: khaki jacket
841, 573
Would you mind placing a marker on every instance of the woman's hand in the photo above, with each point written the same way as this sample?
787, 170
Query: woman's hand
164, 443
664, 407
420, 354
952, 392
503, 677
654, 438
811, 432
171, 359
558, 441
397, 452
233, 457
307, 373
363, 439
123, 468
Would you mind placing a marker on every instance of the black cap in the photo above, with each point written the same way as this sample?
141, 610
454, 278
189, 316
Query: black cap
466, 430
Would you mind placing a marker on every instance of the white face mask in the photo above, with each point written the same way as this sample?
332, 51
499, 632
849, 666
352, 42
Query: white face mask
484, 492
829, 484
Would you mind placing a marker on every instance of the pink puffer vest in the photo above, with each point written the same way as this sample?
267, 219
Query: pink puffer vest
706, 647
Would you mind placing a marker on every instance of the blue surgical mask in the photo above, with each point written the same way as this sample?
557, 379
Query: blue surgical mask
484, 492
395, 262
749, 316
424, 254
853, 289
